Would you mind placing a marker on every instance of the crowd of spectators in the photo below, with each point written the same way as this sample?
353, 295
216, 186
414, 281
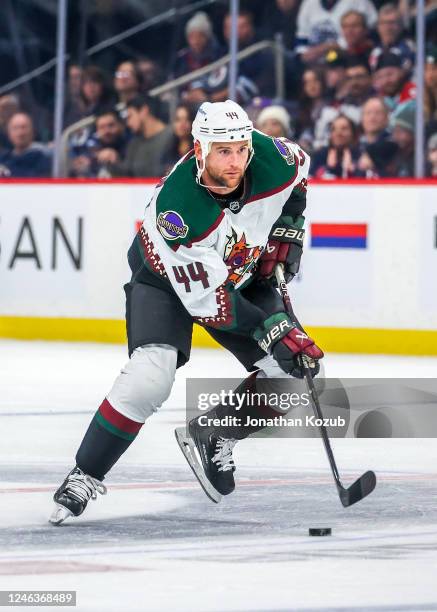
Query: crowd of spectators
350, 96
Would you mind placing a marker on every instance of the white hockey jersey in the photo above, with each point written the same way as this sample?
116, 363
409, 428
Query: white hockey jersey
208, 253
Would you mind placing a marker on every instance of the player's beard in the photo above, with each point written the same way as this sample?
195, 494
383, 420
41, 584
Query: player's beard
223, 181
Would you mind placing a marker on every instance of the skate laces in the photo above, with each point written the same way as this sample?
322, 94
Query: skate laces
223, 454
84, 487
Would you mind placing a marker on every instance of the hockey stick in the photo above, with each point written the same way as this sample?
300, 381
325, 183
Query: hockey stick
367, 482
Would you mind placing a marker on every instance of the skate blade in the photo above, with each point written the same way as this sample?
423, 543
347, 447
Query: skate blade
187, 447
59, 514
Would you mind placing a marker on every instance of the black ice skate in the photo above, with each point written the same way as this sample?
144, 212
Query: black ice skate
73, 495
210, 458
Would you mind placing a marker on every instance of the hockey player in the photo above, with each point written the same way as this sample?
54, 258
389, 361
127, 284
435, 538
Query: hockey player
213, 232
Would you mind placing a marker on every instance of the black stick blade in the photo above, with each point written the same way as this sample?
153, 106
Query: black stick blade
358, 490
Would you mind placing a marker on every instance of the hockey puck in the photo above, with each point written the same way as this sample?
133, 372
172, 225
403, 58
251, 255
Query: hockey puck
319, 531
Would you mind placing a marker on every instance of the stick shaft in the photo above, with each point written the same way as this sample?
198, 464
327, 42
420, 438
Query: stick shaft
309, 380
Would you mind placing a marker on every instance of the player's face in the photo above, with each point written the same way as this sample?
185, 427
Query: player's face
225, 165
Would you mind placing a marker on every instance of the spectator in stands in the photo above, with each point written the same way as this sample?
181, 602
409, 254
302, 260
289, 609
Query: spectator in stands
374, 121
274, 121
403, 125
181, 142
408, 10
376, 154
432, 157
378, 160
318, 25
255, 72
334, 69
96, 95
74, 105
127, 81
151, 73
214, 87
133, 116
390, 33
9, 105
311, 103
391, 80
430, 85
357, 89
339, 159
356, 40
359, 83
144, 153
103, 149
96, 91
257, 68
27, 158
202, 48
281, 18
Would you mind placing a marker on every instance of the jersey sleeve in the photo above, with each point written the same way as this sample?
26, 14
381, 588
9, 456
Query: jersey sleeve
296, 203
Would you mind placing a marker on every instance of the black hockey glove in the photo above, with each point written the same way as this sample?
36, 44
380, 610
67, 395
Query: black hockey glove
286, 341
284, 247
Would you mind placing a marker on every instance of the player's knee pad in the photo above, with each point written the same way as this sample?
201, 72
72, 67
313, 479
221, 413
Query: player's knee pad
145, 382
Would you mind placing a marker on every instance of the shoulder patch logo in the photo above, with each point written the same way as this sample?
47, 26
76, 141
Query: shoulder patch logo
171, 225
285, 150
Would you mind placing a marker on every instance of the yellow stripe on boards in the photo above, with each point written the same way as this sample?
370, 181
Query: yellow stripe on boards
330, 339
74, 330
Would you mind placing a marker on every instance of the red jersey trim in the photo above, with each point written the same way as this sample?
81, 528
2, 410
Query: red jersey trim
207, 232
267, 194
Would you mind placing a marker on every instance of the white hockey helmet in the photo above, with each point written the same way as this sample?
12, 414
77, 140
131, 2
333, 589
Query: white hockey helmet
220, 122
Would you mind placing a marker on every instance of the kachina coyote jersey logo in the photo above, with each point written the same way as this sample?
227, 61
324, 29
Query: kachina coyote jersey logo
171, 225
239, 257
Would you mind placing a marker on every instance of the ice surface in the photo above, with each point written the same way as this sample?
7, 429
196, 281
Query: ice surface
155, 542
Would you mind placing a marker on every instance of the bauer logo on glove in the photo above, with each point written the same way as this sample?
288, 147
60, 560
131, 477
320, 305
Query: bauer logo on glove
289, 344
274, 333
286, 232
